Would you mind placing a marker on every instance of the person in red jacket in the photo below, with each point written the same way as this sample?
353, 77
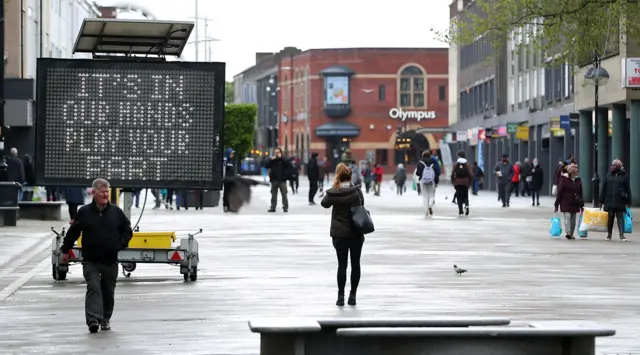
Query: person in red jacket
377, 178
515, 180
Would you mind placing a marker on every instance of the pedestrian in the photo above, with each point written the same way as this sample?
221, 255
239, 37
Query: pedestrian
15, 170
615, 197
400, 178
537, 180
229, 172
428, 172
182, 199
515, 180
461, 178
377, 179
504, 172
29, 166
293, 175
478, 176
525, 173
168, 201
569, 199
368, 179
74, 197
313, 173
279, 169
321, 173
158, 199
342, 196
106, 230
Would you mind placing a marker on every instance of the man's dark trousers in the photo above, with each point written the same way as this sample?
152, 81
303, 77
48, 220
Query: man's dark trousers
101, 287
313, 189
282, 187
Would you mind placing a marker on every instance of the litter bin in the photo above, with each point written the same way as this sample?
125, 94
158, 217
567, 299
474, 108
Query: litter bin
9, 203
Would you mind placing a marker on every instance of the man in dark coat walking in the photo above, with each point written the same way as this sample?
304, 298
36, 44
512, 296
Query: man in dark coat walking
313, 173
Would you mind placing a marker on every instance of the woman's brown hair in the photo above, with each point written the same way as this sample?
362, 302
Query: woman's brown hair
343, 174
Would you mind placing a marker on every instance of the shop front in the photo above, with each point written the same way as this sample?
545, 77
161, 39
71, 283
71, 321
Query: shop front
337, 137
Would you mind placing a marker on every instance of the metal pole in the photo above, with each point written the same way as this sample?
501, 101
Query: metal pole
197, 37
3, 163
596, 177
206, 42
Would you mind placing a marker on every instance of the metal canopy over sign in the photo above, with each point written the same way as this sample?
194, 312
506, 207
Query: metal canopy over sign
135, 123
130, 37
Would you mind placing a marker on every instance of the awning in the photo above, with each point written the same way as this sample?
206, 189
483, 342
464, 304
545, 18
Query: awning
338, 129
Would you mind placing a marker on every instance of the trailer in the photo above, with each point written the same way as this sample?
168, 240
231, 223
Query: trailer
144, 248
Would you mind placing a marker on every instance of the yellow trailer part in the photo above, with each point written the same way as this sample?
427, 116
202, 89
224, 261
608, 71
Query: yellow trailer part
147, 240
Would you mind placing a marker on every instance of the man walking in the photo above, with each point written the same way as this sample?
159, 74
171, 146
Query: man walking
461, 177
279, 170
504, 172
15, 170
105, 232
428, 172
229, 172
313, 173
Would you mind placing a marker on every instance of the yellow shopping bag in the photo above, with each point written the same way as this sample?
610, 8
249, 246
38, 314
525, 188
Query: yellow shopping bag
594, 220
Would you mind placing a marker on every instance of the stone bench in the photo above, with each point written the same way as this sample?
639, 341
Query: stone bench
280, 336
43, 210
8, 216
422, 337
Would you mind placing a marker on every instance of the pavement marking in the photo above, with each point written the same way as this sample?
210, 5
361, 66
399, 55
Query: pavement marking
15, 285
25, 256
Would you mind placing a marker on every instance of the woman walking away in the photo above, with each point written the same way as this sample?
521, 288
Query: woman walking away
569, 198
74, 197
400, 179
615, 197
537, 179
342, 196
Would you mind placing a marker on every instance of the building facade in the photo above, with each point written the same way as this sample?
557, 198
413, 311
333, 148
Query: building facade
512, 101
33, 29
385, 105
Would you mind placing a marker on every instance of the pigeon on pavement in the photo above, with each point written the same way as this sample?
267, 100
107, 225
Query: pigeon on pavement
459, 271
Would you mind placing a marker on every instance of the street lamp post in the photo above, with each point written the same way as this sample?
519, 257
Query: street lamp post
3, 163
596, 76
272, 90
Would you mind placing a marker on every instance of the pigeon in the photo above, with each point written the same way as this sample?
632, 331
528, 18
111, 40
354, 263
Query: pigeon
459, 271
240, 191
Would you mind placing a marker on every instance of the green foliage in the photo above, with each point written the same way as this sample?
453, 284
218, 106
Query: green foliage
572, 30
228, 92
239, 127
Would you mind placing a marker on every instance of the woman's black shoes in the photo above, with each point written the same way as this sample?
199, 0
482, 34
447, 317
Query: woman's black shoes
340, 301
352, 300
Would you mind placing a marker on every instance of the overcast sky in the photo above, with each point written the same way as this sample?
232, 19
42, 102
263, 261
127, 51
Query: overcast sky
241, 25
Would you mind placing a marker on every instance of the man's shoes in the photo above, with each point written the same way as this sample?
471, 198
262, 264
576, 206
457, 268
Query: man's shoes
430, 211
285, 210
271, 210
311, 203
623, 238
466, 211
105, 326
93, 327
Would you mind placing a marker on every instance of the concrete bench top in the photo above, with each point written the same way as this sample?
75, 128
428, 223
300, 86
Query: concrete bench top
41, 203
411, 322
9, 208
478, 332
284, 325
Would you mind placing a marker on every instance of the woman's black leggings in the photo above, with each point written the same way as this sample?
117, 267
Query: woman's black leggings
343, 246
620, 217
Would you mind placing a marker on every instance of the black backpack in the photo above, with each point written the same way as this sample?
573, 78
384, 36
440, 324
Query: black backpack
461, 171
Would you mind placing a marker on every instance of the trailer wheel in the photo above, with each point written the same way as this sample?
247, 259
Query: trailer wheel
58, 275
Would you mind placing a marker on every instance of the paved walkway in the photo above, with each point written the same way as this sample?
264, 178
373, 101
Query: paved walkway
256, 264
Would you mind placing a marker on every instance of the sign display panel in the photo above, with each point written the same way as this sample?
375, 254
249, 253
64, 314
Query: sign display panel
136, 124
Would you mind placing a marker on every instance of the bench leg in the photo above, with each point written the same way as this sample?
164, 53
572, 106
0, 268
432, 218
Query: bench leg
282, 344
9, 218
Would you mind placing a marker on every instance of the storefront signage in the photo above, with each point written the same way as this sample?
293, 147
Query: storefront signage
461, 136
631, 72
400, 114
522, 133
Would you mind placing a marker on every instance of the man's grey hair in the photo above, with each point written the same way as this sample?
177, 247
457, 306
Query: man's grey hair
98, 183
13, 152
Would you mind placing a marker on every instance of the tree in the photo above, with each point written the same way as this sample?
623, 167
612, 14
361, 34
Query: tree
572, 31
228, 92
239, 127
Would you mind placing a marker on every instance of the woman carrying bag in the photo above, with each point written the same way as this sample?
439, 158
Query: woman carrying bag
343, 196
569, 198
615, 197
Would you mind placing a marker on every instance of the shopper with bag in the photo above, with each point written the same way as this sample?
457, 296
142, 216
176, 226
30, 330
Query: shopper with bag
342, 196
615, 197
569, 198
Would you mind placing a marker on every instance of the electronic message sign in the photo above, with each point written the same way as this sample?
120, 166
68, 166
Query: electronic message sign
136, 124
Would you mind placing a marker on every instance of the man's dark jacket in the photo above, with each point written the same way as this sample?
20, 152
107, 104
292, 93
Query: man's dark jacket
279, 169
104, 233
15, 170
615, 193
313, 171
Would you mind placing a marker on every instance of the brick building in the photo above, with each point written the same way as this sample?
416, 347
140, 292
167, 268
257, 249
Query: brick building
330, 100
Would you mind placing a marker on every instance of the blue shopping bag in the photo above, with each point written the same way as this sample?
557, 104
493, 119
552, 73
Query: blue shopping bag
628, 221
582, 233
556, 226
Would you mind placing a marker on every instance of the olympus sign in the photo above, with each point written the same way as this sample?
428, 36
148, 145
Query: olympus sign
398, 113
